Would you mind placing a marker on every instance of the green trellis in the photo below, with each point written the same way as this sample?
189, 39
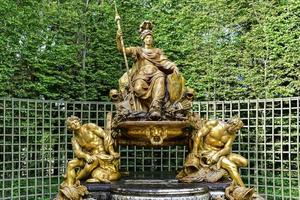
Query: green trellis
35, 146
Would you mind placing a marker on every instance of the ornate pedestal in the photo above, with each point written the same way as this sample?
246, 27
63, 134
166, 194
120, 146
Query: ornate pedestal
154, 133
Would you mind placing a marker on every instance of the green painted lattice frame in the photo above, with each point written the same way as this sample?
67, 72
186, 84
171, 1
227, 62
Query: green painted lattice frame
35, 146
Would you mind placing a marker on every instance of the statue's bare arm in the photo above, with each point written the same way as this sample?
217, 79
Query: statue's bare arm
225, 151
228, 147
131, 51
78, 151
202, 133
106, 137
207, 128
97, 130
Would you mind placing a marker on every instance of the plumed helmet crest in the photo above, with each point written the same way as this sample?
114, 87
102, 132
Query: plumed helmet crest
145, 29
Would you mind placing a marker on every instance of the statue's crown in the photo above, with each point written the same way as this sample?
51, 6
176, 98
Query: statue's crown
145, 29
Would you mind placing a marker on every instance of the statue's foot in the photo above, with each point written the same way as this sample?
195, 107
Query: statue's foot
239, 193
155, 115
75, 191
256, 196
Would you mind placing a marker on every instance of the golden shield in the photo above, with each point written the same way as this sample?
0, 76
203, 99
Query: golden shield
175, 86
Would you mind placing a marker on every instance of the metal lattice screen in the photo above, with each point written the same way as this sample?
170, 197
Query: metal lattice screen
152, 159
35, 146
269, 140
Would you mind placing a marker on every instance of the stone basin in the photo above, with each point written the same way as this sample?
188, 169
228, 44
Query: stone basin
155, 186
154, 133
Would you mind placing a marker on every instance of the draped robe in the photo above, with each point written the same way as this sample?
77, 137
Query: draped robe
145, 77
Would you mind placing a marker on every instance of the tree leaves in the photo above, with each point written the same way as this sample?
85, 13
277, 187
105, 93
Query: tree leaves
225, 49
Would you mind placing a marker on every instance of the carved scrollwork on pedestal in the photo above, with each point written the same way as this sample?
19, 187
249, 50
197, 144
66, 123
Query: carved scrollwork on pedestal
156, 135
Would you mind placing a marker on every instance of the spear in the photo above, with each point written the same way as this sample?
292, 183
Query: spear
118, 19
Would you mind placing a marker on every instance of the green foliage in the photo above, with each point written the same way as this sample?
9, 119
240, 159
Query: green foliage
225, 49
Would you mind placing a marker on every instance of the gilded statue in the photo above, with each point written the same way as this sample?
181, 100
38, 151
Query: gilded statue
211, 157
95, 158
153, 108
153, 80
